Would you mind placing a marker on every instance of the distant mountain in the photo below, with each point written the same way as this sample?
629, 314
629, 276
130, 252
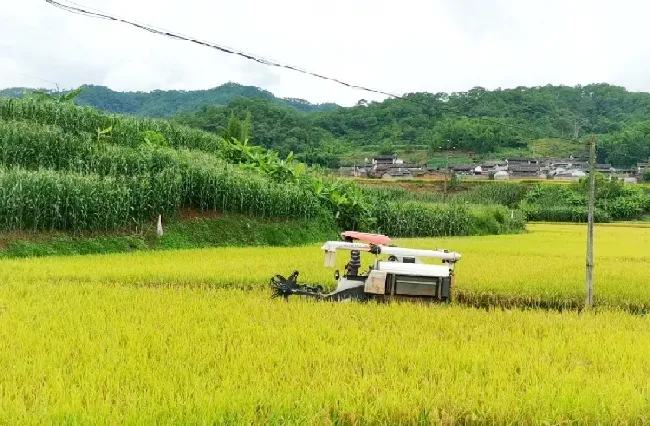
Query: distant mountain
165, 103
477, 121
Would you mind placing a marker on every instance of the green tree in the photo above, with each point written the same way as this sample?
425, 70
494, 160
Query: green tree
606, 188
387, 148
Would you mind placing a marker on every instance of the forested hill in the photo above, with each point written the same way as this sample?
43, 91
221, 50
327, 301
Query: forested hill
489, 123
478, 120
165, 103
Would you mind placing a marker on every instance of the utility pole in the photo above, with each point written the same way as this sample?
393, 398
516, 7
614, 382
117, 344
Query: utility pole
447, 168
446, 172
590, 222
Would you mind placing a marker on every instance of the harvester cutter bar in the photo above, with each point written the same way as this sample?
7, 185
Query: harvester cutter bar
285, 287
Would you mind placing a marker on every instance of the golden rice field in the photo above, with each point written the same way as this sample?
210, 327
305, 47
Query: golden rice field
79, 353
192, 337
544, 266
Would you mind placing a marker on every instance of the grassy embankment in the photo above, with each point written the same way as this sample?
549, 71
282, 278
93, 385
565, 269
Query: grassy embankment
193, 230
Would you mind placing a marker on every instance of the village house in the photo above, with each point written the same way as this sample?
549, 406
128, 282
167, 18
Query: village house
390, 171
524, 170
564, 163
391, 167
464, 169
433, 172
604, 168
494, 166
522, 161
641, 167
567, 174
397, 173
386, 160
626, 172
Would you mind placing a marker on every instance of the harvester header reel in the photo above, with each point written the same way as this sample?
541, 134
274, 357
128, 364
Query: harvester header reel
402, 275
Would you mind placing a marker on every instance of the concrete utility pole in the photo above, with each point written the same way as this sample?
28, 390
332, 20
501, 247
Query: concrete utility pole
444, 197
590, 222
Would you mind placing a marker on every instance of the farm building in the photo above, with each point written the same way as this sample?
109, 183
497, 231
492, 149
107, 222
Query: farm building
501, 175
564, 163
397, 173
524, 170
386, 160
605, 168
494, 166
464, 169
568, 174
522, 161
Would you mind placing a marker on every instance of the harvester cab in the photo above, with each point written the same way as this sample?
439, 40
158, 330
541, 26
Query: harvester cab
402, 275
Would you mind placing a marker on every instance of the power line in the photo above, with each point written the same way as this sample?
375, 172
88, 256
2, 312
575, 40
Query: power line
95, 13
148, 25
32, 77
78, 9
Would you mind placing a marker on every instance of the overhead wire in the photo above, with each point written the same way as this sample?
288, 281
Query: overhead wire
83, 10
31, 76
91, 12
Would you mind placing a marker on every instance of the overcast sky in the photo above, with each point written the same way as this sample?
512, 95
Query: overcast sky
396, 46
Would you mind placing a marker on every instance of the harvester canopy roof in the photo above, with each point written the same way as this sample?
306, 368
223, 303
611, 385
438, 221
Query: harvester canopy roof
376, 239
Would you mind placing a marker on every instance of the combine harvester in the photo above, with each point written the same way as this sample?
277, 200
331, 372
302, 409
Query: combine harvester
401, 276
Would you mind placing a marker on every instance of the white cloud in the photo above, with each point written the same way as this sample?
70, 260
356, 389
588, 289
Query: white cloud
406, 46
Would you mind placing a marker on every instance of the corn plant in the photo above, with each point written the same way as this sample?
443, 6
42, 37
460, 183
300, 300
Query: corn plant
49, 200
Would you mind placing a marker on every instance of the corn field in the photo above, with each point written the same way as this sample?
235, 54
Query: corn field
125, 131
504, 193
151, 181
48, 200
189, 169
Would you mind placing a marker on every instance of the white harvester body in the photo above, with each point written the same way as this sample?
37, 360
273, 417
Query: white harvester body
401, 275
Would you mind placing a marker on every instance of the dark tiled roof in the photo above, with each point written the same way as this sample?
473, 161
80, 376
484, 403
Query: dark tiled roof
494, 163
524, 168
523, 160
397, 173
